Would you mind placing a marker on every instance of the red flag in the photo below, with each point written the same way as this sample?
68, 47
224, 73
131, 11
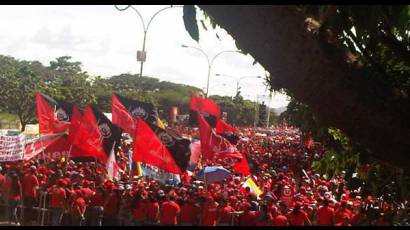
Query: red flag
242, 167
205, 105
50, 147
223, 127
125, 113
121, 116
75, 123
212, 144
227, 131
53, 116
149, 149
39, 145
95, 135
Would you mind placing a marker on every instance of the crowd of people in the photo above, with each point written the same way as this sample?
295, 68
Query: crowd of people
73, 193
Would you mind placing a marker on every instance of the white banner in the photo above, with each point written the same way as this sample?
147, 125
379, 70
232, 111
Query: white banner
12, 147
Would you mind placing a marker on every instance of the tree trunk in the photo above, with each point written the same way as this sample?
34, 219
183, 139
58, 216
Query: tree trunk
23, 123
340, 95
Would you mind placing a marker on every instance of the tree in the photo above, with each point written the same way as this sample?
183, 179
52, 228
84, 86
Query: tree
18, 87
69, 82
354, 95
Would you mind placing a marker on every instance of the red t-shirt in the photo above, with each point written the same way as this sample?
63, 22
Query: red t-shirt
248, 219
87, 194
2, 182
209, 215
325, 216
58, 196
225, 214
78, 206
97, 200
342, 212
30, 182
341, 224
261, 222
188, 212
140, 211
298, 219
111, 207
169, 213
280, 220
153, 211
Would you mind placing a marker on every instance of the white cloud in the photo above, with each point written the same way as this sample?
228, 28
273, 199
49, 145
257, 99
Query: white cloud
105, 40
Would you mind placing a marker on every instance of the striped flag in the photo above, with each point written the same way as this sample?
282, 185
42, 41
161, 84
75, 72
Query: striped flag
252, 185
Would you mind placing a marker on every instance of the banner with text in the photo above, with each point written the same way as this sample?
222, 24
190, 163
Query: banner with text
12, 147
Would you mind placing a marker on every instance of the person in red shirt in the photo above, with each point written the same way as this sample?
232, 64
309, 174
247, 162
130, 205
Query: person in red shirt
209, 213
58, 197
188, 212
152, 210
139, 213
325, 215
30, 185
298, 217
77, 209
96, 208
2, 183
345, 221
225, 214
248, 218
111, 206
342, 212
14, 195
277, 218
87, 191
263, 216
169, 212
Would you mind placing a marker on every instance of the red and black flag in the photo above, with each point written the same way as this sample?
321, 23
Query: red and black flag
125, 113
94, 134
213, 144
227, 131
206, 107
53, 115
161, 148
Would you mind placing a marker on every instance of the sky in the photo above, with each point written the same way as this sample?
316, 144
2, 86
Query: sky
106, 41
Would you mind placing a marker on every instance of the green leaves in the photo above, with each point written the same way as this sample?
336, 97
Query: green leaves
190, 22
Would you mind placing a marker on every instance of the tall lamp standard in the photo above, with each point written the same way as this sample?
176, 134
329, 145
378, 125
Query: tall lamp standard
141, 55
210, 61
237, 80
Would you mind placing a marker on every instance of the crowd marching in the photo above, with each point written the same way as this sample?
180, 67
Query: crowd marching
143, 173
291, 193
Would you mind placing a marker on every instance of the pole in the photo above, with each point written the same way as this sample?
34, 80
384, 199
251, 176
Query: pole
207, 82
145, 28
143, 51
237, 87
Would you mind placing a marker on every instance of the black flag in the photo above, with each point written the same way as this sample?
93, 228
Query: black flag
110, 133
177, 146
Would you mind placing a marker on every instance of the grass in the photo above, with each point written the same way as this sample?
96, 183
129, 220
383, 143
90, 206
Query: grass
9, 121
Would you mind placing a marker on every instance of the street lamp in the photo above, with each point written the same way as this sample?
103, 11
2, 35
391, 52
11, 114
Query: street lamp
237, 80
210, 61
141, 55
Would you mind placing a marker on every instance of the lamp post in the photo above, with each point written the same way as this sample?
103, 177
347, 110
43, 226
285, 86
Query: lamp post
141, 55
210, 61
237, 80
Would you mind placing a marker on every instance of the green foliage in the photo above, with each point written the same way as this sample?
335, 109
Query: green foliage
240, 112
18, 85
64, 79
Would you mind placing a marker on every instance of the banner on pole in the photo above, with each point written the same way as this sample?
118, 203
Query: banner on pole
12, 147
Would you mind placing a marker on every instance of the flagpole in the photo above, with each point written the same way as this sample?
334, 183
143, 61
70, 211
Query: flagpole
68, 157
130, 163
